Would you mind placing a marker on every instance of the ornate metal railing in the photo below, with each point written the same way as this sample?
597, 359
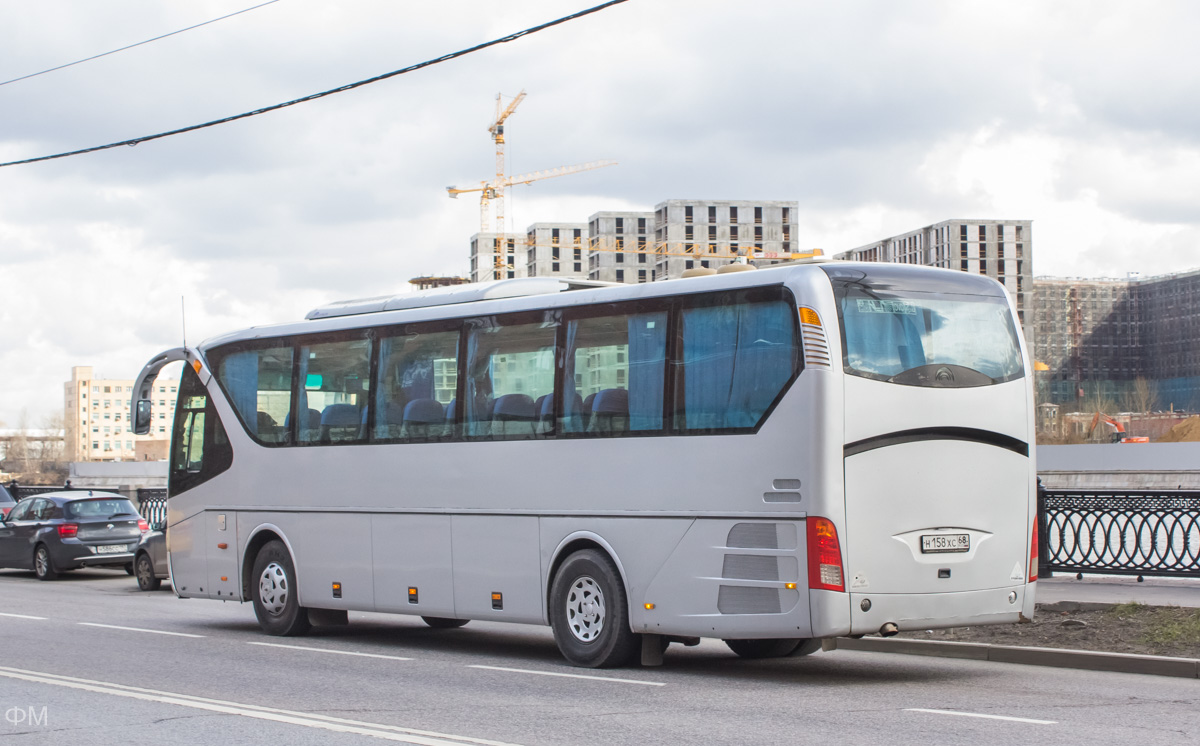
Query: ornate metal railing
1120, 532
152, 504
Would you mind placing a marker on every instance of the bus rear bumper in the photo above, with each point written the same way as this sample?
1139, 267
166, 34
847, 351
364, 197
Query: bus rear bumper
869, 612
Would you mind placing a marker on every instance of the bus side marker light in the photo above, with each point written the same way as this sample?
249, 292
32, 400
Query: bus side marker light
224, 578
337, 590
498, 601
824, 556
222, 546
649, 607
412, 594
196, 366
790, 586
1033, 554
809, 316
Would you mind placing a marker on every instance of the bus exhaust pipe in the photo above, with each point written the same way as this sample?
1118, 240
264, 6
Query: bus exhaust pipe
889, 630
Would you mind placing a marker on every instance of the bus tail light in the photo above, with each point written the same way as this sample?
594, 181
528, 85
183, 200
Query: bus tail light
68, 530
824, 556
1033, 554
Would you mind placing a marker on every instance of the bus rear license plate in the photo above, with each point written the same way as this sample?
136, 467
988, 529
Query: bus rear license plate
935, 543
111, 549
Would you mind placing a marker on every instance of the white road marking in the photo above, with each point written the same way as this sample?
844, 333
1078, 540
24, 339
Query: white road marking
981, 715
326, 650
570, 675
139, 629
308, 720
24, 616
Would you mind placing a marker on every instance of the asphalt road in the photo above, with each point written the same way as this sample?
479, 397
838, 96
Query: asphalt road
90, 659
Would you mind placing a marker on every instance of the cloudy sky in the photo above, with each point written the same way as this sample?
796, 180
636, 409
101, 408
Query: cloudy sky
877, 117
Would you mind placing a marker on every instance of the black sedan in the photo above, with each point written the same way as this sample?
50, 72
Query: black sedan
67, 530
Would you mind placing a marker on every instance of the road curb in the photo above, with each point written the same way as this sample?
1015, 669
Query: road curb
1154, 665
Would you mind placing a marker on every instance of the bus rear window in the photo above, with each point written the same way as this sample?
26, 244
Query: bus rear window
927, 337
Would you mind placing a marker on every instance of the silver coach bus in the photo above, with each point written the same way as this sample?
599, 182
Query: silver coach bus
769, 458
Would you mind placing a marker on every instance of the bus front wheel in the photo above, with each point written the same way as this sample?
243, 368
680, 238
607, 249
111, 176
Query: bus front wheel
276, 603
589, 612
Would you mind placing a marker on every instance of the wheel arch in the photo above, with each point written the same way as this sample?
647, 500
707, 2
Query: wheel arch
574, 542
259, 537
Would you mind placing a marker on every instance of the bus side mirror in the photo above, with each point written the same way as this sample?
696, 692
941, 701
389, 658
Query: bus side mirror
141, 421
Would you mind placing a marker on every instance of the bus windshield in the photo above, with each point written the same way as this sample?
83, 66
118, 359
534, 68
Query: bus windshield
943, 337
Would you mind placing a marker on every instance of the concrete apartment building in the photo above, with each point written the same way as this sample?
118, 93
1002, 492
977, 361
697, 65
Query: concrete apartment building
484, 248
617, 246
692, 231
556, 250
1000, 249
96, 419
1098, 336
620, 244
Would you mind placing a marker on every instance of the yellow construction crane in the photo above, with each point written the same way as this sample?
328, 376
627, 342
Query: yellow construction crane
494, 190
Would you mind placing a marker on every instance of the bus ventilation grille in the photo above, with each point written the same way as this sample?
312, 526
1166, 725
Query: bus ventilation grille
735, 599
762, 536
816, 346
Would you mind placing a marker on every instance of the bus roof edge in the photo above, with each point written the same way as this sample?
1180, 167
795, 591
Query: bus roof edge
455, 294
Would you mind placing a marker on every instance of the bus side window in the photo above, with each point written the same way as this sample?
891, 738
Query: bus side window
510, 368
614, 374
418, 376
737, 359
200, 448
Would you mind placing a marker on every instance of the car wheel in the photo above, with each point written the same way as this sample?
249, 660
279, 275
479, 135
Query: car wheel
144, 569
276, 603
43, 563
806, 647
589, 612
439, 622
772, 648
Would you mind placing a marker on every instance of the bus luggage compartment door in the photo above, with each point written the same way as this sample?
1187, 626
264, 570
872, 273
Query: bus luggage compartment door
936, 517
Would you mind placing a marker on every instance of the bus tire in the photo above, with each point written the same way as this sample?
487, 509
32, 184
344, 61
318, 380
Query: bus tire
441, 622
771, 648
274, 590
806, 647
589, 612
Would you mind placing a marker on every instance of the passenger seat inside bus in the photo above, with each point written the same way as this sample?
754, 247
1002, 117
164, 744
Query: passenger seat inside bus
610, 412
424, 419
341, 422
513, 417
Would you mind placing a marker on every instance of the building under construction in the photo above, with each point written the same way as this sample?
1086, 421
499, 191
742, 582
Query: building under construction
1098, 337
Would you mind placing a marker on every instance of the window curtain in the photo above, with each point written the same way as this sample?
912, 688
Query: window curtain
239, 372
382, 389
572, 416
736, 359
475, 391
647, 357
304, 433
881, 343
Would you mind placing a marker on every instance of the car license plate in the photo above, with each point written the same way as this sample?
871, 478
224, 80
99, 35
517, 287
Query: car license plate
935, 543
110, 549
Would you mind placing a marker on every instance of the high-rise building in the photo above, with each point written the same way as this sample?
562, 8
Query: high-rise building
694, 233
620, 247
1000, 249
485, 247
96, 418
556, 250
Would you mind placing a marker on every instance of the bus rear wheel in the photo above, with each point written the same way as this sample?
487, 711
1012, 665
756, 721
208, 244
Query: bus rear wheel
276, 603
771, 648
589, 612
441, 622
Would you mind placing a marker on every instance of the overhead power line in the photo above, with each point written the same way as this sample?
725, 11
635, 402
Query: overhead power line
140, 43
330, 92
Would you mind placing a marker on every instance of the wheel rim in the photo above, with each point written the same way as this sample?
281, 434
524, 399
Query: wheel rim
273, 589
585, 609
41, 561
144, 576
